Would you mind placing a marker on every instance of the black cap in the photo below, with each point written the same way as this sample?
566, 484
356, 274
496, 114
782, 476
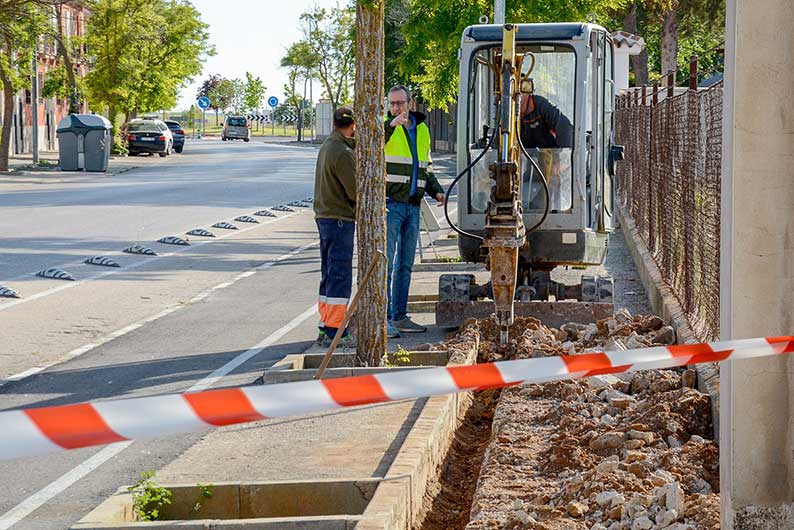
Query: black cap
343, 117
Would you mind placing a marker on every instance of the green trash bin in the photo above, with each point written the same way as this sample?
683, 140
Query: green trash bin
84, 142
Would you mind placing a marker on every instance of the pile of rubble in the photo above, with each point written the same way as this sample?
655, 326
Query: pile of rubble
623, 452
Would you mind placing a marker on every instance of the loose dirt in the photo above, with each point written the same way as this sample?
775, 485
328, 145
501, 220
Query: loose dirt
625, 452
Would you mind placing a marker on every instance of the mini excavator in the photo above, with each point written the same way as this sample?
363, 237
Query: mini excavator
524, 210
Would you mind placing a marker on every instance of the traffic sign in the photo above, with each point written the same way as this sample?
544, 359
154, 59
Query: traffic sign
203, 102
262, 118
272, 101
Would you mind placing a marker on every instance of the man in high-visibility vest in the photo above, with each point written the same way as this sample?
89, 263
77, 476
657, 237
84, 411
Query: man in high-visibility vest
408, 178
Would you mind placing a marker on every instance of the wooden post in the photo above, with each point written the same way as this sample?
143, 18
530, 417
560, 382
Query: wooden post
655, 97
644, 94
693, 72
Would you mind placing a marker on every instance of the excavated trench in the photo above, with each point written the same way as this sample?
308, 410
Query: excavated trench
626, 452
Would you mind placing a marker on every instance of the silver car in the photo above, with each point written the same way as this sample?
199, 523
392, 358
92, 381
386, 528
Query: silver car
236, 128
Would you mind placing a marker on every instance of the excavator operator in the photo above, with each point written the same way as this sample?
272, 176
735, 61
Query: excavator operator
547, 130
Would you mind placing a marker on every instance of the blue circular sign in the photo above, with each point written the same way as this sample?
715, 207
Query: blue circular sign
203, 102
272, 101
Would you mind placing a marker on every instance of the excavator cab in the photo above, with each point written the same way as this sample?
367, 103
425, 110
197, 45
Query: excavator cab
563, 113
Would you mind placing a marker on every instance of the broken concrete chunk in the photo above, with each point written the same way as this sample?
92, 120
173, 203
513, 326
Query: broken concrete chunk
608, 465
666, 335
651, 323
673, 496
577, 509
635, 444
609, 440
605, 498
666, 518
645, 436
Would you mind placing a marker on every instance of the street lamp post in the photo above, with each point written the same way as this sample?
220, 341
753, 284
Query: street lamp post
499, 11
35, 105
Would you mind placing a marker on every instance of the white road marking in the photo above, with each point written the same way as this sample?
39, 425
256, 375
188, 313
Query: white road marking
38, 499
125, 268
35, 501
165, 312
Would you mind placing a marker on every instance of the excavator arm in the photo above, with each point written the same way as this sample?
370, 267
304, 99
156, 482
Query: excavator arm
505, 232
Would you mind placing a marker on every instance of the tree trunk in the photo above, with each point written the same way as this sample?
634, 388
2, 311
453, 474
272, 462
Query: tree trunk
113, 118
670, 43
371, 176
68, 64
8, 114
639, 63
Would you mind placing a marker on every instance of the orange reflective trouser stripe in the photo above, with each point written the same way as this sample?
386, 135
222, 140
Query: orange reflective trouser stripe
332, 315
336, 267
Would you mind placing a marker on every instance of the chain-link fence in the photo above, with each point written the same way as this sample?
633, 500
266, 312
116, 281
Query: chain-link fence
670, 184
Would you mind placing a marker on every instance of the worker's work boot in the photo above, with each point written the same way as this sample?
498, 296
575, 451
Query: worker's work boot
322, 340
406, 325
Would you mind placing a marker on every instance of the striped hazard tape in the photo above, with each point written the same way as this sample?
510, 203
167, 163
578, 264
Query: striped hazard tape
38, 431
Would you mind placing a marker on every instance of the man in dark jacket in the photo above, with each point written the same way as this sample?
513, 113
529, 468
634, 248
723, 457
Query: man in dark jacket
545, 127
408, 178
335, 215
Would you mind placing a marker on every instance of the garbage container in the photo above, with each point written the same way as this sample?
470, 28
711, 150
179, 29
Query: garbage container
84, 142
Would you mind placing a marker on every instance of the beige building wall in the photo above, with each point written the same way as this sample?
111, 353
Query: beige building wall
757, 257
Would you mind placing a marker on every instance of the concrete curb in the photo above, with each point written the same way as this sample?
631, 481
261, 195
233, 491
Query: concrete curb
400, 496
666, 305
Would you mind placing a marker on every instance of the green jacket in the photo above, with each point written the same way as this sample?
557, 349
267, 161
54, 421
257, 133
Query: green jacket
335, 179
399, 161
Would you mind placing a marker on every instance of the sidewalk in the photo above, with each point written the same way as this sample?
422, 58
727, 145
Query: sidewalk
357, 442
19, 165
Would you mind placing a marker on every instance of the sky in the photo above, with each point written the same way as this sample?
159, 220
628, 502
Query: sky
253, 36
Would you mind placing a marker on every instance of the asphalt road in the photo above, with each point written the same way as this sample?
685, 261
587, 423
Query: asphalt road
212, 314
67, 216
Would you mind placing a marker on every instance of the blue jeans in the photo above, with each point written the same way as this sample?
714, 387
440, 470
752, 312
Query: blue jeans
336, 268
402, 232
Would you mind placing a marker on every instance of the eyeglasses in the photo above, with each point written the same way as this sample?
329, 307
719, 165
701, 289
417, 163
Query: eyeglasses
397, 103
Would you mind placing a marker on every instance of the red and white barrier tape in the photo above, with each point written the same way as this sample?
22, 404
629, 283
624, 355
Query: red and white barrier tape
38, 431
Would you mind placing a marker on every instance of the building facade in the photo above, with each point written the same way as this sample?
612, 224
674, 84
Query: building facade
73, 18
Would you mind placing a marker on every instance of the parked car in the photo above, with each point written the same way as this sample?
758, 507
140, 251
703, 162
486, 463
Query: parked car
236, 128
146, 135
179, 134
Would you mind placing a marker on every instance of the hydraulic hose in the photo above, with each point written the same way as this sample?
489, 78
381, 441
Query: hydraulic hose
460, 175
543, 180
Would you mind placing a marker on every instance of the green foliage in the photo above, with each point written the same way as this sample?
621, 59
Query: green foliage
428, 61
56, 84
21, 24
327, 50
701, 33
149, 498
401, 357
254, 92
207, 86
205, 492
395, 17
422, 38
228, 95
143, 52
